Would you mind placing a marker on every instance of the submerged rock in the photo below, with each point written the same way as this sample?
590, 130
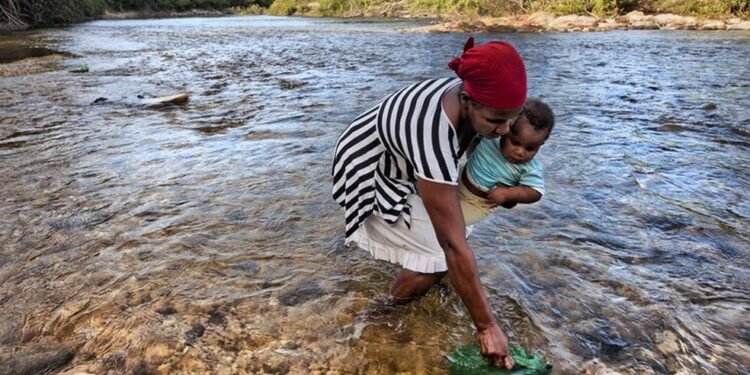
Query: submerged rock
667, 342
10, 329
247, 266
166, 310
36, 360
81, 69
194, 333
301, 293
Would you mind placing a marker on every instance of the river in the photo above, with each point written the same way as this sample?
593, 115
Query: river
202, 237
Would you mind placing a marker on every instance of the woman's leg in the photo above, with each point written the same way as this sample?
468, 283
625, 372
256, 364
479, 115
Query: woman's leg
410, 284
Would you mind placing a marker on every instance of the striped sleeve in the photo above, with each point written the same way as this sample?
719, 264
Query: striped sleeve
435, 157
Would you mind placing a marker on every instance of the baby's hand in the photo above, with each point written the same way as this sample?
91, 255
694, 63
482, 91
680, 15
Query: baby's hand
498, 195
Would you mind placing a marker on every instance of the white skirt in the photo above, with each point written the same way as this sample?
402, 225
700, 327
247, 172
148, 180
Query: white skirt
414, 248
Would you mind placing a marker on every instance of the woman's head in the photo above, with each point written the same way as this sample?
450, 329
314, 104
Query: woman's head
494, 86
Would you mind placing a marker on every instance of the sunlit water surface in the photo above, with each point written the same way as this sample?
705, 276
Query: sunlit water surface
203, 237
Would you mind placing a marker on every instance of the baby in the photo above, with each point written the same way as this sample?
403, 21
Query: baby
507, 164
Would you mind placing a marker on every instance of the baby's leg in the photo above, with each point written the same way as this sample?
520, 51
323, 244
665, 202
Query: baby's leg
473, 207
472, 213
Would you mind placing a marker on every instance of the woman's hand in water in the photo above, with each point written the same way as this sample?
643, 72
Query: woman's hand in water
493, 344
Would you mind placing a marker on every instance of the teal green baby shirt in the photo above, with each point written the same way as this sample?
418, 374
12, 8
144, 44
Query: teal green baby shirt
488, 167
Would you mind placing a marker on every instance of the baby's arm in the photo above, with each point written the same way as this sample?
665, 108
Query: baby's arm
509, 196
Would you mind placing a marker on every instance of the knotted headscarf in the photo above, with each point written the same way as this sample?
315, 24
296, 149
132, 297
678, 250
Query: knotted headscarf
493, 74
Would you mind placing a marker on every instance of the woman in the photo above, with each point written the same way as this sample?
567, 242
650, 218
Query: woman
395, 171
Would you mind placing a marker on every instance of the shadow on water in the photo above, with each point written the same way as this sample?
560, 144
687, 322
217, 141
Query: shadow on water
201, 237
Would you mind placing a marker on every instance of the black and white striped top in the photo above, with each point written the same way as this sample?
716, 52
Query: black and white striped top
380, 154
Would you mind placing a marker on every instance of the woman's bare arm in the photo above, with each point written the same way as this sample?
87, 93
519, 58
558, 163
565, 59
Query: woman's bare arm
442, 204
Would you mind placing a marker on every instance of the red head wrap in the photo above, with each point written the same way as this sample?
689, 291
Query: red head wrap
493, 74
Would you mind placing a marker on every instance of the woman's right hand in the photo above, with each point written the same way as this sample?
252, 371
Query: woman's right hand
493, 344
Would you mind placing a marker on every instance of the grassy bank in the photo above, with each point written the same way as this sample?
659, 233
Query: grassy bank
30, 13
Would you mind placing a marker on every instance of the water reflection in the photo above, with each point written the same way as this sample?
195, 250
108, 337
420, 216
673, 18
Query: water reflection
202, 237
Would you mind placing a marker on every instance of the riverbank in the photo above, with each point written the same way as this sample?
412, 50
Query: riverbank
534, 22
109, 15
459, 22
542, 21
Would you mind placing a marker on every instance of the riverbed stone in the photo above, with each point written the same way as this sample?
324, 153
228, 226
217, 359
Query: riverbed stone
596, 367
506, 25
542, 19
734, 20
633, 16
744, 25
248, 267
36, 360
10, 329
670, 21
609, 25
301, 293
573, 23
195, 332
714, 25
667, 342
636, 20
78, 370
166, 309
643, 25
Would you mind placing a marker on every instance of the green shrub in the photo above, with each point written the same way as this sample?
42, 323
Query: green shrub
466, 7
600, 8
700, 7
286, 7
254, 9
38, 12
332, 8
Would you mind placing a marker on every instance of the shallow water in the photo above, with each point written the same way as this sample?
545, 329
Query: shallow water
203, 237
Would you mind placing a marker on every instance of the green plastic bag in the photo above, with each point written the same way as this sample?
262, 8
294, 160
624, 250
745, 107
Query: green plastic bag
467, 360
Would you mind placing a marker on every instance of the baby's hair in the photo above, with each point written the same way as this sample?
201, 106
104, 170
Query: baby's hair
540, 115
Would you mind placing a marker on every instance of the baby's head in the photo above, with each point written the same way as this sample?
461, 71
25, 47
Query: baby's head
529, 132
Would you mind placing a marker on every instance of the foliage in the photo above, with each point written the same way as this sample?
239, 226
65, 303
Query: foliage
334, 7
254, 9
596, 7
61, 11
287, 7
19, 13
479, 7
702, 7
